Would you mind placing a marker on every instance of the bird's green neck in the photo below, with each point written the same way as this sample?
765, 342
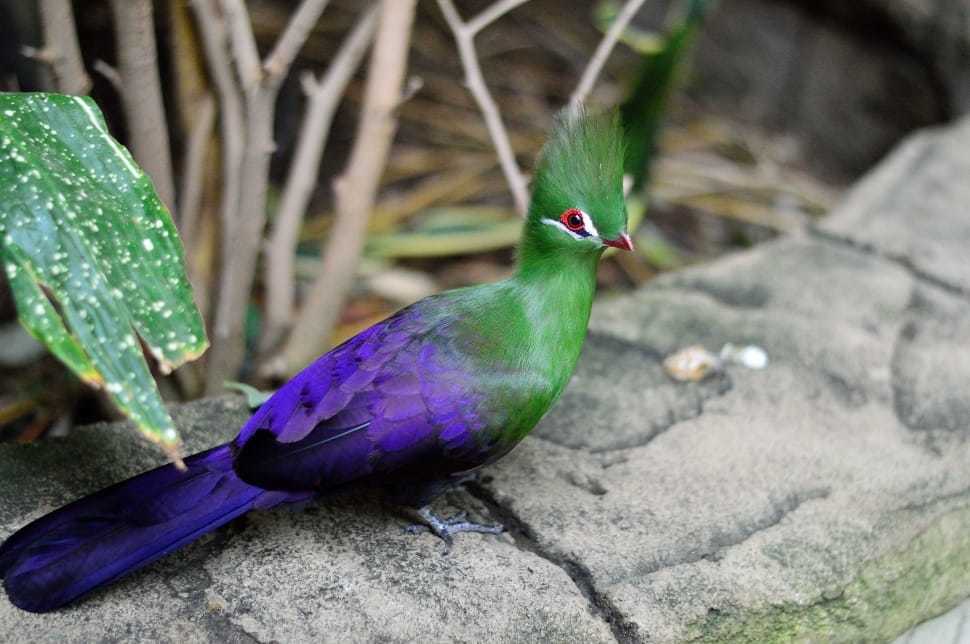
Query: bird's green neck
529, 330
557, 290
541, 326
536, 320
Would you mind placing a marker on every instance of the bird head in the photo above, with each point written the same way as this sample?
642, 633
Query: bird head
577, 196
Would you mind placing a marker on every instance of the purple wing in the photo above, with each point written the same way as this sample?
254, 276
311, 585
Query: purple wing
400, 394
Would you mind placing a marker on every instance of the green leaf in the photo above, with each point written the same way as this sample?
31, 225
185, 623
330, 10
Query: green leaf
643, 111
445, 232
639, 40
92, 255
254, 396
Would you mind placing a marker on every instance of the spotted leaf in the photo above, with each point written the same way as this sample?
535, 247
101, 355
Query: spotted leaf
92, 256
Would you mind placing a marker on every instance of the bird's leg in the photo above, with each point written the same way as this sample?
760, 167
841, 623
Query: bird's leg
446, 528
415, 497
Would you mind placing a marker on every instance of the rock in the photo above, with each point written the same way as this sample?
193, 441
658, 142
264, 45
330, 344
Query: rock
803, 500
660, 402
937, 31
915, 207
823, 498
341, 572
783, 66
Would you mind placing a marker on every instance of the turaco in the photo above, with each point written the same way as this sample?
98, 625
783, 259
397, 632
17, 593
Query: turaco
412, 404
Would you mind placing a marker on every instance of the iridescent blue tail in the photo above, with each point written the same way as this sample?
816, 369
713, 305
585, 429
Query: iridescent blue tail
106, 535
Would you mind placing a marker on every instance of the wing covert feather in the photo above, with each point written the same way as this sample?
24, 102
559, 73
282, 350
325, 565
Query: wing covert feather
396, 395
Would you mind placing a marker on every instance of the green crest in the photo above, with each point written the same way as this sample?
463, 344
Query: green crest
581, 166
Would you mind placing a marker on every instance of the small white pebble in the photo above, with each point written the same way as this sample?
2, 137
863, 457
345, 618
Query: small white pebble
750, 356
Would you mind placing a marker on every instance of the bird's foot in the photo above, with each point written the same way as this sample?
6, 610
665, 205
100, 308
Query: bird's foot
446, 527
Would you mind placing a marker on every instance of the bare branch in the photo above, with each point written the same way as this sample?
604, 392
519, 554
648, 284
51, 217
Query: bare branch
491, 14
356, 188
110, 73
243, 43
414, 85
41, 55
465, 38
324, 96
244, 231
241, 242
213, 29
61, 47
289, 44
193, 169
142, 95
212, 26
603, 50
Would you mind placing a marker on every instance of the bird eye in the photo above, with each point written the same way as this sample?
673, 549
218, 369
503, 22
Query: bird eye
573, 220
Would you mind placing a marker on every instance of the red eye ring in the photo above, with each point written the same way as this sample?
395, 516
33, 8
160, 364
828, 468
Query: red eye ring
573, 220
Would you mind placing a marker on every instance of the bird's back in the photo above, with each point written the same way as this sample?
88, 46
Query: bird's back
441, 387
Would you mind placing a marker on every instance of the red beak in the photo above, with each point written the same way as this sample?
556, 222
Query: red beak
623, 242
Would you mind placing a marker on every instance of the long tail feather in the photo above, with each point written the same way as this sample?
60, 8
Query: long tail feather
102, 537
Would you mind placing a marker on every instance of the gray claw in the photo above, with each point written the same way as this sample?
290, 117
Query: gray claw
446, 528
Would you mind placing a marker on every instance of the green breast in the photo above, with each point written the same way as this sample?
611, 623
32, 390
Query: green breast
527, 333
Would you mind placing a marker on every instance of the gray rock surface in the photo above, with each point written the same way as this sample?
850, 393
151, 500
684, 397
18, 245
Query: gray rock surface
341, 572
783, 65
939, 30
824, 498
914, 208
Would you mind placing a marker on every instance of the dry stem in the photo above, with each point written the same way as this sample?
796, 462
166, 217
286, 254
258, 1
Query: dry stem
356, 188
61, 49
243, 42
212, 28
323, 97
111, 74
289, 43
142, 95
464, 33
193, 169
244, 209
595, 65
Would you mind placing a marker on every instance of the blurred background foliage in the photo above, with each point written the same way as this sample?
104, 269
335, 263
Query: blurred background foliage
742, 124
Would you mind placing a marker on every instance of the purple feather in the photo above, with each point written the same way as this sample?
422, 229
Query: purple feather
391, 397
412, 403
120, 529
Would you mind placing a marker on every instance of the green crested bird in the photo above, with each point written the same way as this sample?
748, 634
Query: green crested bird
413, 404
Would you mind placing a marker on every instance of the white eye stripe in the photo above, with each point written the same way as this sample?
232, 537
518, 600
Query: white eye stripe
590, 229
558, 224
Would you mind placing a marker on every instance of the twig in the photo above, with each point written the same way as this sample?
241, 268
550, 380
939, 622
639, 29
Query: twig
464, 33
603, 50
213, 29
111, 74
61, 49
243, 43
356, 188
289, 43
40, 54
323, 97
243, 226
142, 95
193, 169
491, 14
414, 85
